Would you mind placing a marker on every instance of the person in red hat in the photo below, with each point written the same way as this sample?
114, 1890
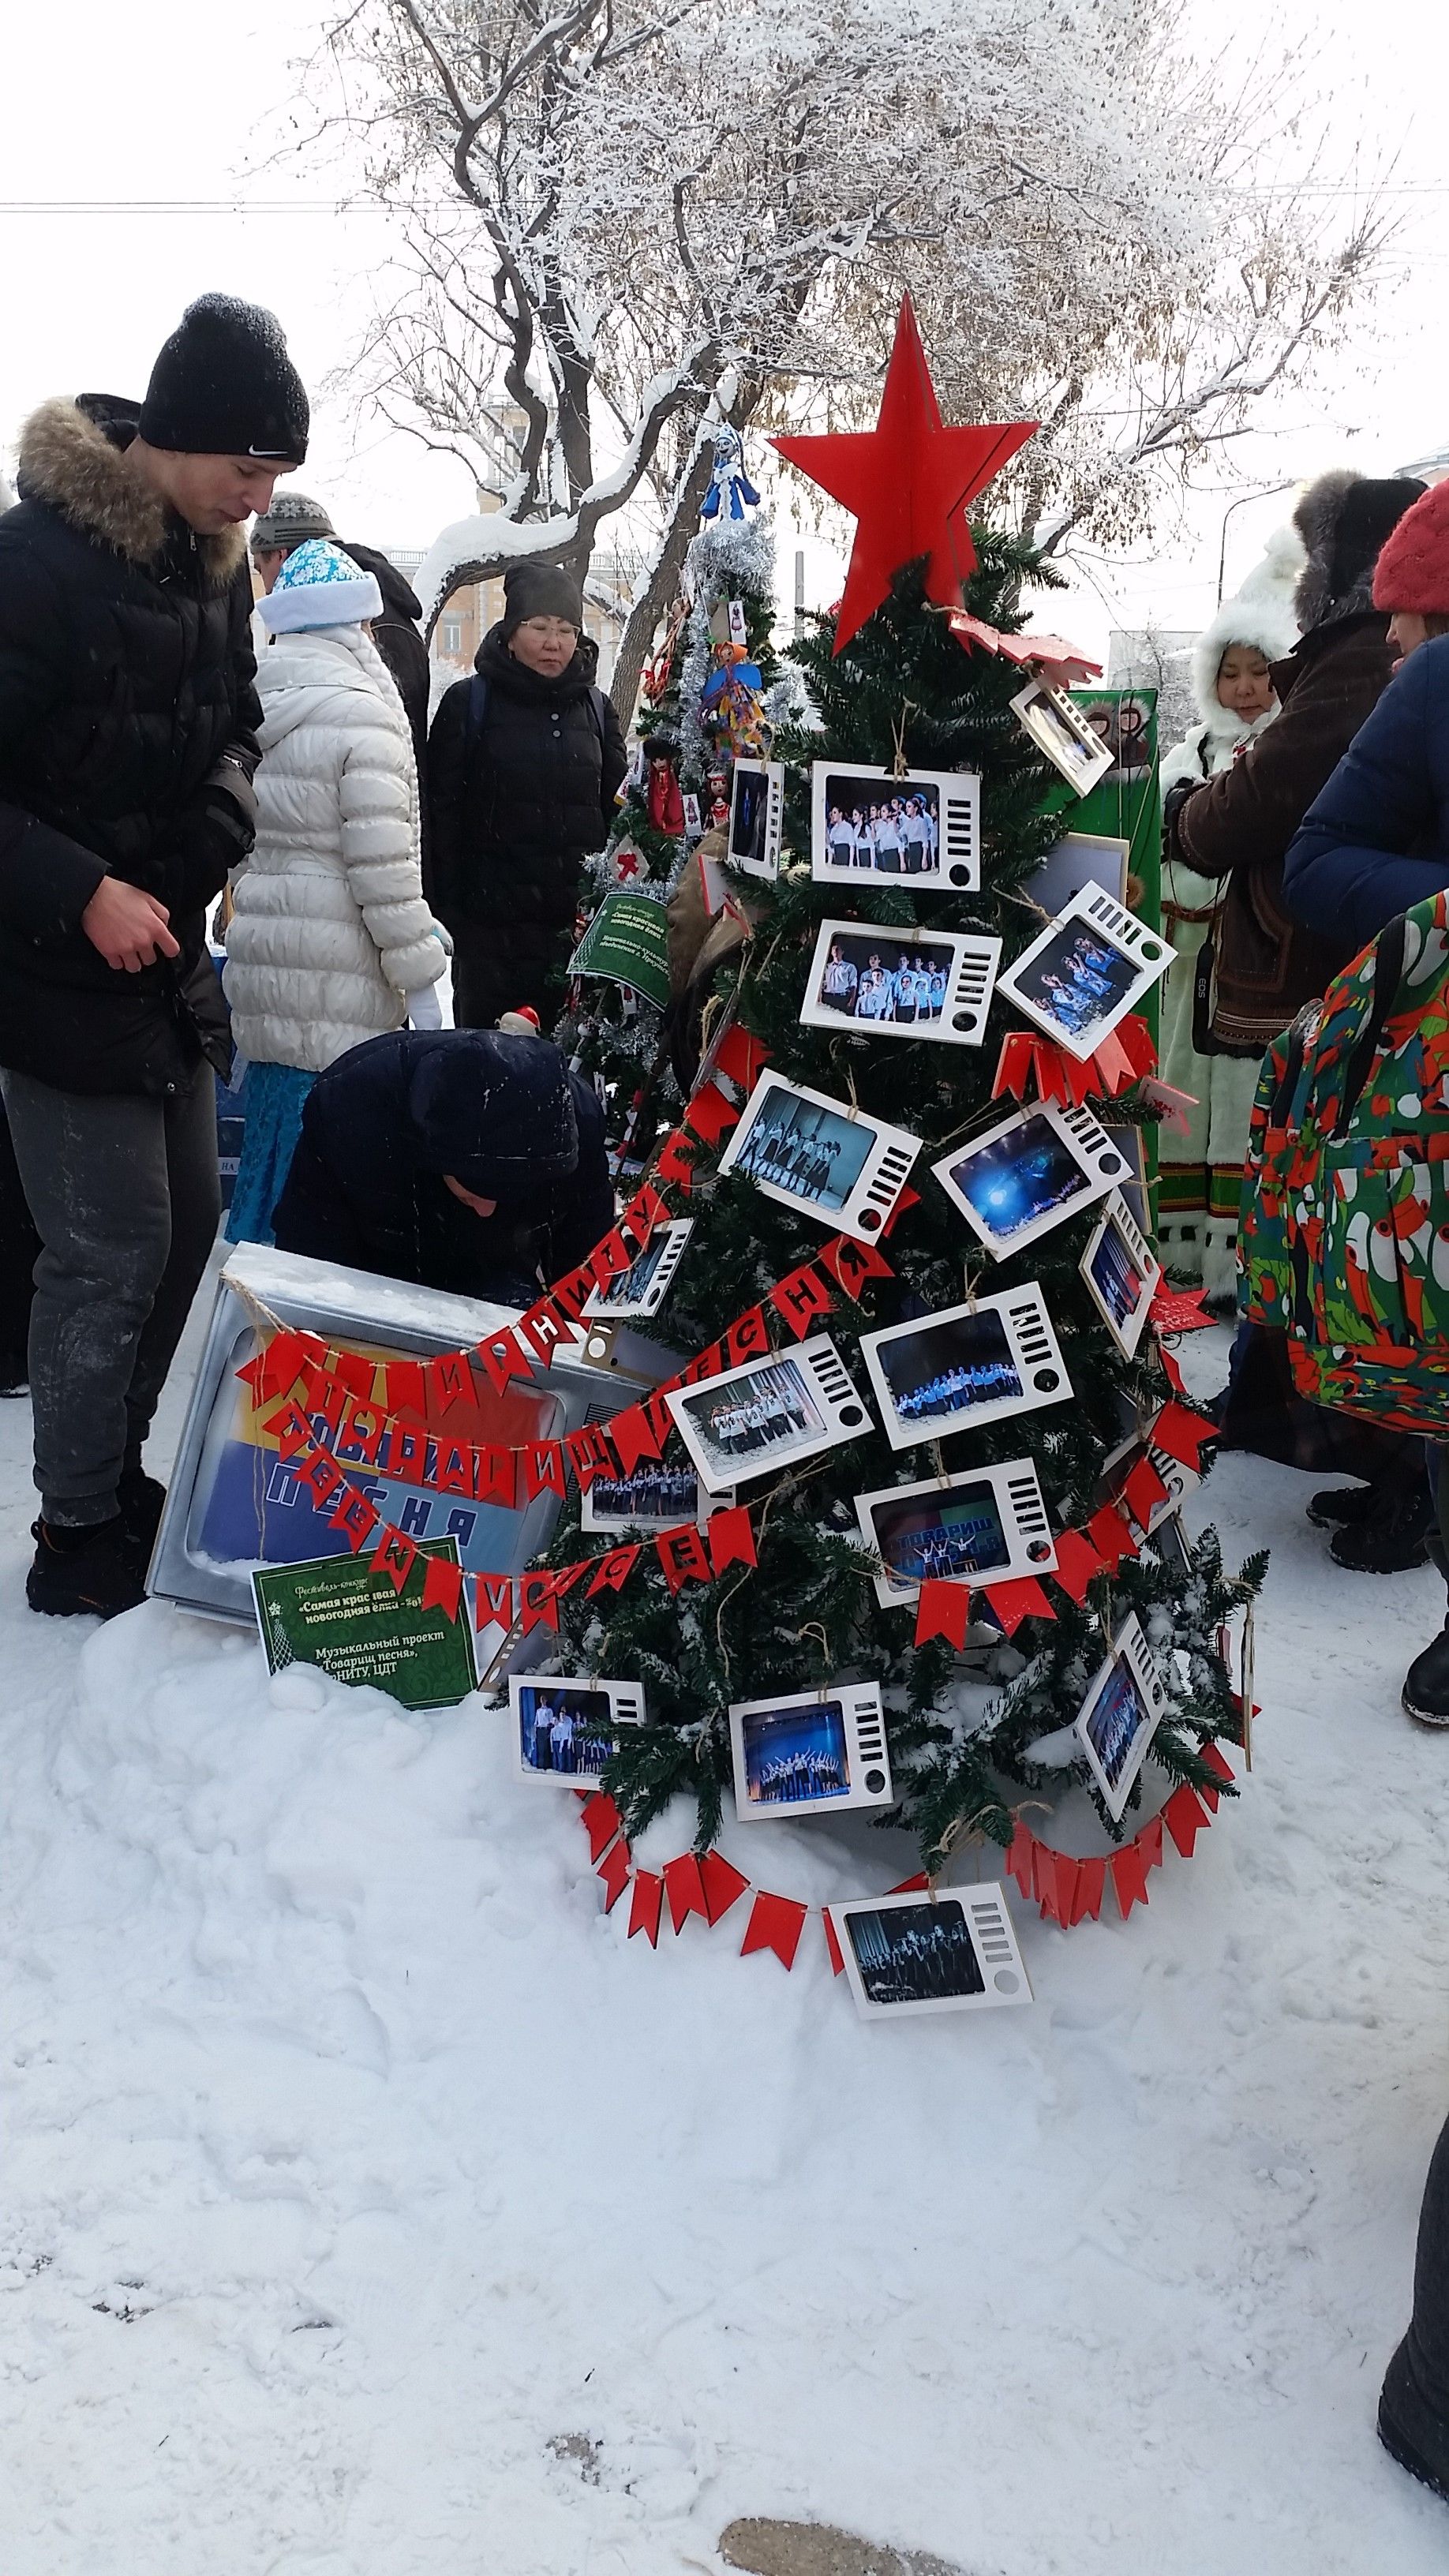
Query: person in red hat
1376, 838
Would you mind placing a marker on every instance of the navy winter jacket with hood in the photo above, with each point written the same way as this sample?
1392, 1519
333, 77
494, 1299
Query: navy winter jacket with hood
1376, 838
503, 1115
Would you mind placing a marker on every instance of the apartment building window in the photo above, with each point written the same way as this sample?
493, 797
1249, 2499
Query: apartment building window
452, 637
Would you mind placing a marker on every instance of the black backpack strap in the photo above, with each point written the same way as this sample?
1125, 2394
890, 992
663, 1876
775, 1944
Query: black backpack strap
1388, 968
476, 710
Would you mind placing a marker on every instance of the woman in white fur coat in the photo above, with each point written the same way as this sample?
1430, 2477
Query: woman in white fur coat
330, 939
1201, 1172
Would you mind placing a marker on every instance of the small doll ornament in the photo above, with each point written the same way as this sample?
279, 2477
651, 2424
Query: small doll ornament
730, 492
665, 803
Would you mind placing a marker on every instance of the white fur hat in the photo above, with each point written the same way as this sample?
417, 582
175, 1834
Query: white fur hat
1260, 613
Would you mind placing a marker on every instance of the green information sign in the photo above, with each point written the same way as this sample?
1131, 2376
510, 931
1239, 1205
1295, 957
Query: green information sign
337, 1614
628, 941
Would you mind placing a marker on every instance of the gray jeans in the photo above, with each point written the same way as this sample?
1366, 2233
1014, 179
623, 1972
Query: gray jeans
125, 1197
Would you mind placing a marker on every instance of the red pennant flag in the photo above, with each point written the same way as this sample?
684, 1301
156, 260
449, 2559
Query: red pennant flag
801, 1299
910, 1886
543, 1468
1110, 1067
1013, 1602
1056, 1884
646, 1210
685, 1890
566, 1576
588, 1452
1020, 1860
709, 1115
1184, 1434
276, 1368
501, 1361
908, 1198
319, 1472
1143, 1491
657, 1414
450, 1381
545, 1328
708, 1364
1091, 1887
1077, 1565
395, 1557
443, 1586
290, 1428
1213, 1757
615, 1569
731, 1539
1185, 1817
684, 1556
407, 1453
1171, 1369
455, 1468
361, 1432
537, 1602
1149, 1843
495, 1477
851, 1264
613, 1869
571, 1294
776, 1923
943, 1610
493, 1601
610, 1259
740, 1057
356, 1517
323, 1394
1129, 1877
674, 1162
1177, 1310
1135, 1039
644, 1906
832, 1944
632, 1438
602, 1822
1013, 1065
723, 1885
748, 1338
407, 1387
1111, 1537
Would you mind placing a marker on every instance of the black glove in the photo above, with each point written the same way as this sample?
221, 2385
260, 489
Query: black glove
1175, 799
212, 835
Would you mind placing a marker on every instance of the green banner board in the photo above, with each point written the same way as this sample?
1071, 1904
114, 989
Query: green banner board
337, 1614
628, 941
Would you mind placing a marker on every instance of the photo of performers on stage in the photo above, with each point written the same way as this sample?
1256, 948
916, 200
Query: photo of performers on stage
565, 1733
949, 1368
771, 1408
1115, 1724
813, 1154
875, 977
662, 1495
915, 1954
631, 1287
795, 1754
749, 814
1021, 1178
1078, 980
892, 829
1116, 1277
929, 1538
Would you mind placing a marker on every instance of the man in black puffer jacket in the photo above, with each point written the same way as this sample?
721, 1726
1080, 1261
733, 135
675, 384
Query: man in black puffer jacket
128, 716
523, 765
465, 1159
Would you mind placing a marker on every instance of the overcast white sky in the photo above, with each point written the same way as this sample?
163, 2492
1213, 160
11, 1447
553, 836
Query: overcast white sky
159, 103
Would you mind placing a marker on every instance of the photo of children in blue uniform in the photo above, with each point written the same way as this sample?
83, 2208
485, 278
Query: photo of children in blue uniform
893, 830
878, 977
795, 1753
1116, 1722
1078, 979
947, 1368
1116, 1277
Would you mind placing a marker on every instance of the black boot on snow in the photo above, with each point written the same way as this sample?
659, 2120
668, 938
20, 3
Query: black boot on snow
1391, 1539
142, 1502
1426, 1683
1409, 2430
83, 1571
1341, 1506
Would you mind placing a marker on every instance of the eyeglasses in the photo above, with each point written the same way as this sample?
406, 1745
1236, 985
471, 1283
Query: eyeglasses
549, 630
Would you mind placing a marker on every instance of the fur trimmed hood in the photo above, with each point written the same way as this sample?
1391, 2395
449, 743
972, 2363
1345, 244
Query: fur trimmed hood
72, 460
1260, 614
1343, 520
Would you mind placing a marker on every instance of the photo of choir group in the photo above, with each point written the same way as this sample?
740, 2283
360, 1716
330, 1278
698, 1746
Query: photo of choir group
915, 1954
1078, 981
795, 1755
875, 977
951, 1365
1122, 1275
806, 1152
663, 1495
628, 1293
929, 1538
565, 1733
888, 830
770, 1408
1115, 1722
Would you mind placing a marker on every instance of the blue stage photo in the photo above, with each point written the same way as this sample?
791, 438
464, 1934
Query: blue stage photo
1021, 1178
796, 1754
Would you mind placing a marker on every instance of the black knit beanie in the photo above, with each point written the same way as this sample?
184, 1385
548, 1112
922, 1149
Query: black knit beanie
540, 590
225, 386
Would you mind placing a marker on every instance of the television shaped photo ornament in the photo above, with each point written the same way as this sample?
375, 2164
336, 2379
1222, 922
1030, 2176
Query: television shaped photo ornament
1031, 1173
1120, 1715
1121, 1272
769, 1413
901, 983
968, 1365
1085, 972
643, 1287
658, 1494
820, 1157
945, 1949
234, 1506
1062, 732
868, 827
757, 816
810, 1753
565, 1726
986, 1525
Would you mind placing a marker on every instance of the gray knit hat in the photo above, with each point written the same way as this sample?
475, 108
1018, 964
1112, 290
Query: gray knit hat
291, 520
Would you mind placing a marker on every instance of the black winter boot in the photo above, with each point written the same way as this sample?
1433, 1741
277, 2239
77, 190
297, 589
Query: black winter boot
1341, 1506
1390, 1539
1414, 2405
83, 1571
142, 1501
1426, 1683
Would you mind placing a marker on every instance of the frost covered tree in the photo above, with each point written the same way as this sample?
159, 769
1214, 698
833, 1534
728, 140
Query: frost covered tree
624, 220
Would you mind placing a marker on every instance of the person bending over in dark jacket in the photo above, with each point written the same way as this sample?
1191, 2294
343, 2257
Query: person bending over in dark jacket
1377, 838
464, 1159
128, 715
292, 519
523, 764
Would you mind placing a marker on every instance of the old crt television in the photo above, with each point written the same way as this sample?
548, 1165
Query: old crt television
233, 1503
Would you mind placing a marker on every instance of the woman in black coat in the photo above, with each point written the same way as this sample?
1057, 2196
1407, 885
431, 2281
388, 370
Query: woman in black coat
524, 761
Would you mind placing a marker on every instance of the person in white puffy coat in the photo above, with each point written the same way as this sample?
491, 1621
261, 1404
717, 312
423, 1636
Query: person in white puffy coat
331, 940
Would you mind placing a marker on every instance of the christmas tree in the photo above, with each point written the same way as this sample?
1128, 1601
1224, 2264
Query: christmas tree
708, 697
972, 1714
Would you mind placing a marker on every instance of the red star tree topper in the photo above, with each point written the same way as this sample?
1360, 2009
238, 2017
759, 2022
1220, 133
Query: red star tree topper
909, 482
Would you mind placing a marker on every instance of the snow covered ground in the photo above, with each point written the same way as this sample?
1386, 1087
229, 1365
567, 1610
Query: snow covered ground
368, 2207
